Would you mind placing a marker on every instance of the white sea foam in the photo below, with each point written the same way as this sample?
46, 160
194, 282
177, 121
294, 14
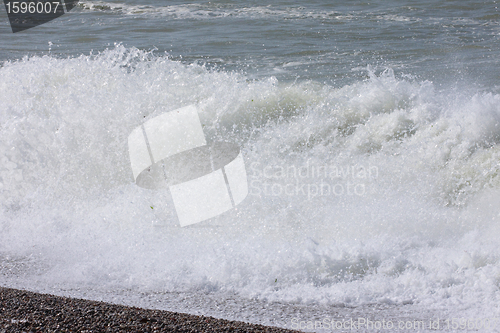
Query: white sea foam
424, 230
204, 11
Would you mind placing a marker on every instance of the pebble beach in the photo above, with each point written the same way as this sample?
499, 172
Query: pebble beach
24, 311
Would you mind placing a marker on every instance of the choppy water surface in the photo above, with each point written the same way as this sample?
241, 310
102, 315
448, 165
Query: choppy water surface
370, 135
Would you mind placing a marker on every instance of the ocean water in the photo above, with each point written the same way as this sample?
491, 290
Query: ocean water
371, 139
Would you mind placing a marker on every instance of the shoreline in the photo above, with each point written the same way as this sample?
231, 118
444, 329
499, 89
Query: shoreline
25, 311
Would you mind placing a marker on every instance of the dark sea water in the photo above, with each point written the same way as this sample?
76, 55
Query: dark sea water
319, 40
407, 91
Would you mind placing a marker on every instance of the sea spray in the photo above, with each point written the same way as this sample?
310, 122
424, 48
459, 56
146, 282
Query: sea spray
423, 232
